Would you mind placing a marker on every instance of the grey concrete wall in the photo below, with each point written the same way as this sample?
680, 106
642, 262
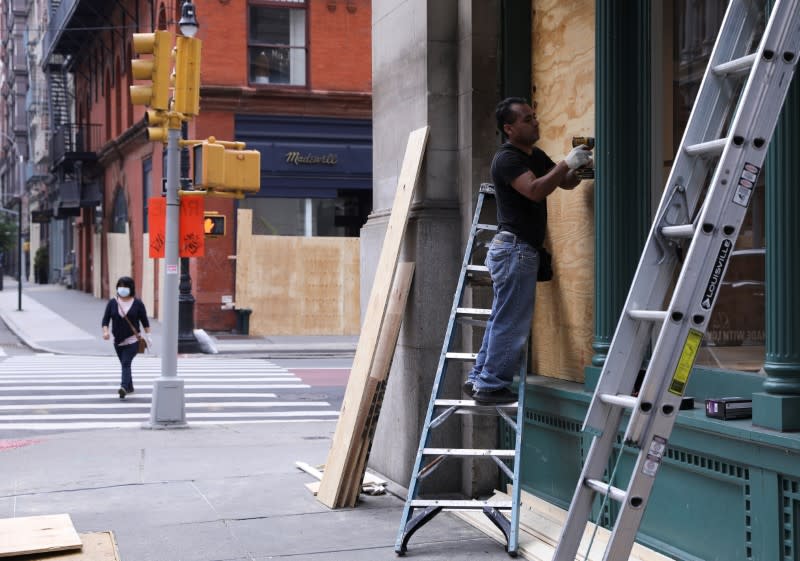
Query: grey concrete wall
427, 60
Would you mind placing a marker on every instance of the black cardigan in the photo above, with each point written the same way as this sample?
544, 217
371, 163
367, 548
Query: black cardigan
119, 327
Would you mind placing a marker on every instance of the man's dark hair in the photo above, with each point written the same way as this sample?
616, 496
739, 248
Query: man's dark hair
127, 281
504, 112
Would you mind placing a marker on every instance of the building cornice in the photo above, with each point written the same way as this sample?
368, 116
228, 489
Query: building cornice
290, 101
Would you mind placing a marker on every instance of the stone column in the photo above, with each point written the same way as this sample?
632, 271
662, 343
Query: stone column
415, 83
622, 157
779, 406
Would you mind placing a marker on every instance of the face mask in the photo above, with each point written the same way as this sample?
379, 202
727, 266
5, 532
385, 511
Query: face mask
123, 291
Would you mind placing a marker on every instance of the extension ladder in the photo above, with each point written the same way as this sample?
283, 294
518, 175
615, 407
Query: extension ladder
439, 410
746, 90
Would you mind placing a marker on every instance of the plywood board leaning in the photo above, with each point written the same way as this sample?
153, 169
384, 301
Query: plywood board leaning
376, 383
356, 402
37, 534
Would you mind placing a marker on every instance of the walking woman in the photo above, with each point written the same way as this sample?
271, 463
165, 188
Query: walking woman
125, 312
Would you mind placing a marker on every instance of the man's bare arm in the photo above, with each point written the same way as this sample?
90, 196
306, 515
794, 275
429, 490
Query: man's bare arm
538, 188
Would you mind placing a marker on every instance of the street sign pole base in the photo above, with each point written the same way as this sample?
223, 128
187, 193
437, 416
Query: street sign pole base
168, 410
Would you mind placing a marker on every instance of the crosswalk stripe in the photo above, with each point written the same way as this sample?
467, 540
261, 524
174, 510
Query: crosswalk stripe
189, 415
87, 396
77, 425
127, 404
138, 375
137, 385
57, 393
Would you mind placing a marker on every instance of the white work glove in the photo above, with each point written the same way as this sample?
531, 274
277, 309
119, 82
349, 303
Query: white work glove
578, 157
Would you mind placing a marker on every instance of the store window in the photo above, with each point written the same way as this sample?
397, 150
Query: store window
277, 43
735, 336
342, 216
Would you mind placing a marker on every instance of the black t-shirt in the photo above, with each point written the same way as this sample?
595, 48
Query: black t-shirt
516, 213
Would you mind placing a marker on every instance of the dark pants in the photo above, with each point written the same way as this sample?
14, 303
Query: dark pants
126, 353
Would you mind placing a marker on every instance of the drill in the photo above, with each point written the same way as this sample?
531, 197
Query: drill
586, 172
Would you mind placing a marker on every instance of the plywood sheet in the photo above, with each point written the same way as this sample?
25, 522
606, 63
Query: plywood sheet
358, 401
37, 534
97, 546
540, 526
563, 79
297, 285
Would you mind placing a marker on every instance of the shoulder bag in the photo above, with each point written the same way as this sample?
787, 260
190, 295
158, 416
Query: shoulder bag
142, 340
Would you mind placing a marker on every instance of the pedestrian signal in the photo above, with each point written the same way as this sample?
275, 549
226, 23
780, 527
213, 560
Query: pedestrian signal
214, 225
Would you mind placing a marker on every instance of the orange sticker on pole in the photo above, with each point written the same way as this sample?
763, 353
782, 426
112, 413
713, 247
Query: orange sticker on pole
157, 220
191, 238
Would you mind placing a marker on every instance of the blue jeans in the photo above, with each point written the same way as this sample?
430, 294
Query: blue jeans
126, 353
513, 265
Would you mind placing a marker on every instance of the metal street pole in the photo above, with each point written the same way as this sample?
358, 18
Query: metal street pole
168, 409
21, 176
187, 342
19, 233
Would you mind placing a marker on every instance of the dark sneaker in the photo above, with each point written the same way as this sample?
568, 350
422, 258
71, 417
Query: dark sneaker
122, 393
496, 397
468, 388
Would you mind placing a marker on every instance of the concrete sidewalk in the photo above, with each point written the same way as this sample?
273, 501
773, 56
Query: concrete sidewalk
62, 321
216, 493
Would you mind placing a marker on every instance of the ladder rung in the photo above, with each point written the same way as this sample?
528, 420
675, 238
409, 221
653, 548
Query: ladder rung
622, 400
471, 403
466, 452
455, 503
479, 269
604, 488
473, 312
710, 148
461, 356
486, 227
648, 315
736, 66
681, 231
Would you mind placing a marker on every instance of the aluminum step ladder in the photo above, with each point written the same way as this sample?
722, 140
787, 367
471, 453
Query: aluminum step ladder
726, 140
439, 410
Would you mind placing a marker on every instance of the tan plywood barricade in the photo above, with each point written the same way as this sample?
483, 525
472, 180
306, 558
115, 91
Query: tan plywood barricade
296, 285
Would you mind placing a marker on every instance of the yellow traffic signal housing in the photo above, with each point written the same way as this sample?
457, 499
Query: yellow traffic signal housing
187, 76
213, 224
156, 122
225, 171
157, 69
209, 165
242, 171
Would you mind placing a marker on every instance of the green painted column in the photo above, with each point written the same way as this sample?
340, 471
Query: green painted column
779, 407
622, 158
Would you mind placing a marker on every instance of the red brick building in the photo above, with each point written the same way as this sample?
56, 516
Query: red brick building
291, 78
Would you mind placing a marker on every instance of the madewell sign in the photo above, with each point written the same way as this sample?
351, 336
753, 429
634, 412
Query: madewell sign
298, 158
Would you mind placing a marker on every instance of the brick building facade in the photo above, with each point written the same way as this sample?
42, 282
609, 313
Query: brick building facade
291, 76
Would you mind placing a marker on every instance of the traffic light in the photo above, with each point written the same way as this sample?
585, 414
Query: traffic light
157, 69
156, 122
214, 224
226, 168
187, 76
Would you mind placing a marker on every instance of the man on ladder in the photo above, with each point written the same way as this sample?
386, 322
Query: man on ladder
523, 176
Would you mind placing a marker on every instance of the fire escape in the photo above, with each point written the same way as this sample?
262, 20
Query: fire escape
75, 145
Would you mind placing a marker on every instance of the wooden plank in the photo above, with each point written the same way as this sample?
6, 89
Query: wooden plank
37, 534
378, 378
346, 440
